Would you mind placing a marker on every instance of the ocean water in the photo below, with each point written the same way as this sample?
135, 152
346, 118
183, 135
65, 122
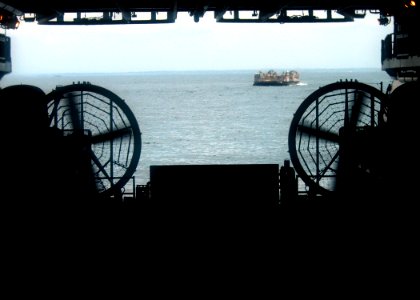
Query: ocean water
208, 117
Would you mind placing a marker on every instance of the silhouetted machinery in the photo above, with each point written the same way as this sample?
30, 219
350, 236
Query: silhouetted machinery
81, 144
99, 122
335, 133
71, 148
349, 142
5, 55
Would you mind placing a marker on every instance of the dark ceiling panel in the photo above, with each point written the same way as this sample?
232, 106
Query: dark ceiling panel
30, 6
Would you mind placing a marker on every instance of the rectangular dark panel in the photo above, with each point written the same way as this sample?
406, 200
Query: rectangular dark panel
215, 187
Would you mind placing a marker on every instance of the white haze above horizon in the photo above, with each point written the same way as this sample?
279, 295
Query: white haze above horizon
187, 46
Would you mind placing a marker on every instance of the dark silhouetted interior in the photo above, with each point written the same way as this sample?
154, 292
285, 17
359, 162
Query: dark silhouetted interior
377, 163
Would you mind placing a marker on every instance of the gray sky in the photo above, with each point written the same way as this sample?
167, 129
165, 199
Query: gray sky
186, 45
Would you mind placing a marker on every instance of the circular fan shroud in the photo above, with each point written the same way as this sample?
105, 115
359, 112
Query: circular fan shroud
114, 133
314, 135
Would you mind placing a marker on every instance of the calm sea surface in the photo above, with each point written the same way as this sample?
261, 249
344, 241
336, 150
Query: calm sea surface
207, 117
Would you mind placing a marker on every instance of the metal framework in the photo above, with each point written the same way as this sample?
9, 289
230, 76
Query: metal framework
88, 12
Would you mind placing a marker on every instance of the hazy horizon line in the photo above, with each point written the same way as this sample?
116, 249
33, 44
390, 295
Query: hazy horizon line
195, 70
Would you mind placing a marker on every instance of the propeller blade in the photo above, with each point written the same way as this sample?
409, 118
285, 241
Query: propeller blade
74, 112
101, 168
355, 111
322, 134
53, 112
111, 135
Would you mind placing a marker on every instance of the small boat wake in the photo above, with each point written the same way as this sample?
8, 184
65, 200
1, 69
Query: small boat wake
301, 83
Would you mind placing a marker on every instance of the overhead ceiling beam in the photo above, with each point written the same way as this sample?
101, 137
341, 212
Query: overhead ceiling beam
219, 13
198, 13
173, 13
351, 13
10, 9
264, 15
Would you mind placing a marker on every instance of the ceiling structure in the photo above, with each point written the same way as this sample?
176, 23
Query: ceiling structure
93, 12
400, 51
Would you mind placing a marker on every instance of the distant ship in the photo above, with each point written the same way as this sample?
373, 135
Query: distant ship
273, 78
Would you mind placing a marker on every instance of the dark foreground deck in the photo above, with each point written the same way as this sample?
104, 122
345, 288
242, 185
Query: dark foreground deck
221, 200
